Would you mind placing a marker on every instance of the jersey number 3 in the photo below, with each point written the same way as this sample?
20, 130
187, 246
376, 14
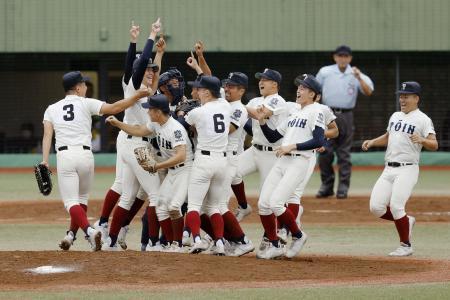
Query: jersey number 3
69, 110
219, 125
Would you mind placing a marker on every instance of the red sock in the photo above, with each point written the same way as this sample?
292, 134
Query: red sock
73, 225
78, 216
270, 226
232, 225
288, 219
206, 225
388, 215
134, 210
402, 225
153, 224
239, 192
294, 208
177, 229
110, 201
166, 227
193, 222
119, 217
217, 226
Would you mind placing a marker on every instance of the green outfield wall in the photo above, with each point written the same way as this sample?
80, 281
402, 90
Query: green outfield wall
109, 159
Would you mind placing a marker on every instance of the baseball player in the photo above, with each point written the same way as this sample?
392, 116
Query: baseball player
301, 133
113, 194
408, 131
261, 156
133, 176
212, 123
71, 120
177, 157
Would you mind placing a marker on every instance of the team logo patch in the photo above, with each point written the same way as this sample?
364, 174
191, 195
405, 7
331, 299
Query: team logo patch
273, 102
237, 114
178, 135
403, 86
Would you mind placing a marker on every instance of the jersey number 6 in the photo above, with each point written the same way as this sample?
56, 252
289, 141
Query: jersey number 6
70, 115
219, 125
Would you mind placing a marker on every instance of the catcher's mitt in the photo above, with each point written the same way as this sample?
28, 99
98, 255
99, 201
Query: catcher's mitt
187, 105
145, 159
43, 178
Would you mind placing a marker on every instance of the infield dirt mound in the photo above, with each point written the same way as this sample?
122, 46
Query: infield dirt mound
131, 269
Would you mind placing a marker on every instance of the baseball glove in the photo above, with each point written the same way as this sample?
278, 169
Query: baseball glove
145, 159
187, 105
43, 178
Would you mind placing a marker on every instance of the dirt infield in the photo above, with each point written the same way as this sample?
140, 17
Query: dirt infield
352, 210
124, 270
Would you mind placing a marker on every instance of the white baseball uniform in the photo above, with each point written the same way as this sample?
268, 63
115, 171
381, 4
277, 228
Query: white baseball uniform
290, 170
212, 122
71, 118
174, 188
261, 157
328, 117
133, 175
238, 118
395, 185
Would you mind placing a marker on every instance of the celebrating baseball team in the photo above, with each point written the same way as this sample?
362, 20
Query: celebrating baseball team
187, 157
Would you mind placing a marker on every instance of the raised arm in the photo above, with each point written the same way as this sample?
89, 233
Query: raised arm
138, 75
121, 105
131, 53
366, 89
199, 50
47, 142
134, 130
193, 64
160, 50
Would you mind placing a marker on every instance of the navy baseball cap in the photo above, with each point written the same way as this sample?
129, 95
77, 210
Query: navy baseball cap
150, 64
73, 78
343, 50
410, 87
269, 74
236, 78
309, 81
211, 83
157, 101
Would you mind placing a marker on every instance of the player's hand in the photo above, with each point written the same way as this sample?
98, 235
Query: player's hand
356, 73
192, 62
366, 145
415, 138
45, 163
321, 149
134, 32
161, 44
144, 92
282, 150
156, 27
199, 48
112, 120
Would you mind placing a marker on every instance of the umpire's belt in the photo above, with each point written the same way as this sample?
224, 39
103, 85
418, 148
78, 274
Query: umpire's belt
62, 148
340, 110
177, 166
263, 148
145, 139
397, 164
204, 152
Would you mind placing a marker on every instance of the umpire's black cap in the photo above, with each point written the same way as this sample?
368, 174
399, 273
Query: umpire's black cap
309, 81
236, 78
73, 78
211, 83
157, 101
343, 50
410, 87
269, 74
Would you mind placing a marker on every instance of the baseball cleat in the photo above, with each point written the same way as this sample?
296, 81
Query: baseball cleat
403, 250
412, 221
263, 246
199, 246
103, 229
67, 241
187, 241
296, 245
271, 252
283, 235
219, 248
242, 249
121, 237
95, 240
154, 248
241, 213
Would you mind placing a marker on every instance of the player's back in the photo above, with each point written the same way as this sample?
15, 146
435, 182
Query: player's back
71, 118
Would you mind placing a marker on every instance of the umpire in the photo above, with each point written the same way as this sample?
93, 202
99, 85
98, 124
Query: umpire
340, 85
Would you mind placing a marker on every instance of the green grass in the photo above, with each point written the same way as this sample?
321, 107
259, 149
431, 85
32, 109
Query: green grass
24, 187
397, 292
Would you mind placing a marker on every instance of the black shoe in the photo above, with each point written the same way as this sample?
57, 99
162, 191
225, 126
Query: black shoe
341, 195
324, 194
